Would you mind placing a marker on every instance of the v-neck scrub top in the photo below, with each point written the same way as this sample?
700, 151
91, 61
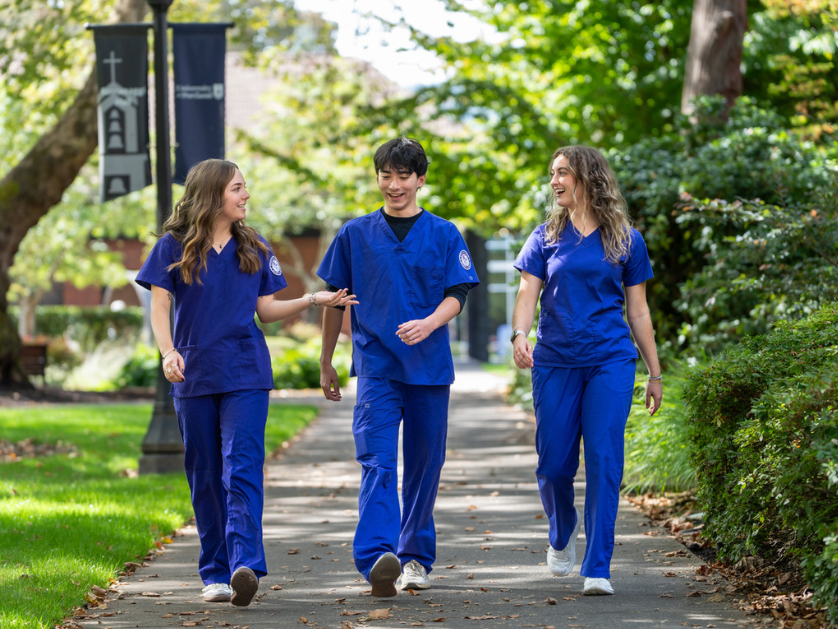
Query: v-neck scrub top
396, 282
581, 322
222, 347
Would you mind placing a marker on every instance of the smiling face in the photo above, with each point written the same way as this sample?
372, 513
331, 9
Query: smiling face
569, 193
399, 191
235, 199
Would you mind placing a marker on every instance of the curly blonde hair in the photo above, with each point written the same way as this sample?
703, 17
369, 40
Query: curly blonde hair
192, 222
602, 197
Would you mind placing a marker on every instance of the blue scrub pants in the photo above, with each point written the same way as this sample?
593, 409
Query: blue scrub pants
224, 438
592, 403
382, 405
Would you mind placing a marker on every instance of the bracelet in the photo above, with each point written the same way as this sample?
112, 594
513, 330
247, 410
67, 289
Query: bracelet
174, 349
312, 300
655, 379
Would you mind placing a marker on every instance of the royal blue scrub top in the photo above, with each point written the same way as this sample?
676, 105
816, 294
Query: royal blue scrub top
397, 282
222, 347
581, 322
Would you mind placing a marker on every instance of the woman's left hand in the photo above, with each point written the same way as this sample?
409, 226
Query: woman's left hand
654, 395
338, 298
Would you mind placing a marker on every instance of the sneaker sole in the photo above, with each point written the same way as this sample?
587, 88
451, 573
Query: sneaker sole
244, 584
224, 598
412, 585
384, 574
596, 592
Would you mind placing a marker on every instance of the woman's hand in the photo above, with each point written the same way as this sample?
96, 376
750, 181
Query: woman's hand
654, 395
522, 352
338, 298
174, 367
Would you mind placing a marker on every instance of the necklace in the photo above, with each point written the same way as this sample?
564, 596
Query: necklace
221, 246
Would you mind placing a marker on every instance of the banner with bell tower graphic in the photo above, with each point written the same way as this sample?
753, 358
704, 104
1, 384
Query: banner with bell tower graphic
122, 68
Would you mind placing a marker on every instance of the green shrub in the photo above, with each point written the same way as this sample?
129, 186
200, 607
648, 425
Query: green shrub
763, 425
299, 367
87, 325
141, 368
657, 448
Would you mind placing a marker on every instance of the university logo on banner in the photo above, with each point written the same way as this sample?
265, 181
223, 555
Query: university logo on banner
122, 69
199, 52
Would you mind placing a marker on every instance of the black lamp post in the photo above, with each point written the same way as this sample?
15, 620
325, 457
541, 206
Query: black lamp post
162, 445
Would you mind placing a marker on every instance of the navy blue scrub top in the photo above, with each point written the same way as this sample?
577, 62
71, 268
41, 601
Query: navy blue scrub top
397, 282
581, 322
222, 347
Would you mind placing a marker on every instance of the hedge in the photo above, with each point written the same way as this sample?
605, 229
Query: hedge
764, 432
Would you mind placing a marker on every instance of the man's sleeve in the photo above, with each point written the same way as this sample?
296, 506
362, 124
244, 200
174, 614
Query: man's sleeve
459, 268
335, 269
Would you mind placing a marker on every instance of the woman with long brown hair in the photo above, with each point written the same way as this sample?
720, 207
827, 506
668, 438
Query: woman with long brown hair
219, 273
584, 262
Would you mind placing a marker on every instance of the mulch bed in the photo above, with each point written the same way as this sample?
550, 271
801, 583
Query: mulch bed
776, 592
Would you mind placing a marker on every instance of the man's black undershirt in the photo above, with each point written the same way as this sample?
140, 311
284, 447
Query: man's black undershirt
401, 228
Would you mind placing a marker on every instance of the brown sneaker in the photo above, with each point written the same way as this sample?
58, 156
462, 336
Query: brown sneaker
383, 575
244, 585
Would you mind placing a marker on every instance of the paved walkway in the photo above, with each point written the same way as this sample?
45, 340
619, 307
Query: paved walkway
491, 569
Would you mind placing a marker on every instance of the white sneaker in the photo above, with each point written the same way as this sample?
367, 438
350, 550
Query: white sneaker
596, 586
217, 593
414, 577
561, 562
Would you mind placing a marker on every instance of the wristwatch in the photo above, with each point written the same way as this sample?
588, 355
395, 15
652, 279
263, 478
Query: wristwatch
515, 333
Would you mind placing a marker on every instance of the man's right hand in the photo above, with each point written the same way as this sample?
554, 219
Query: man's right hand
329, 382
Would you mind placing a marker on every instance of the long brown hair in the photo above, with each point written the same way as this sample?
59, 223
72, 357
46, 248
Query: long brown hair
192, 222
602, 197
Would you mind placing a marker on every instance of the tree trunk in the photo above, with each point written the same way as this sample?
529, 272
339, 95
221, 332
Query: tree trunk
715, 51
37, 183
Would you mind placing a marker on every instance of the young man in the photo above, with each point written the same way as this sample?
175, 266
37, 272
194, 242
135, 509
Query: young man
410, 272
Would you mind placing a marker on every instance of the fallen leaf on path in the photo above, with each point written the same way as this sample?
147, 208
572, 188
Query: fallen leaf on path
551, 601
716, 598
539, 516
469, 528
150, 594
666, 596
470, 508
669, 574
567, 598
294, 551
348, 613
380, 614
167, 616
438, 620
276, 587
480, 617
470, 575
453, 565
304, 620
694, 593
482, 547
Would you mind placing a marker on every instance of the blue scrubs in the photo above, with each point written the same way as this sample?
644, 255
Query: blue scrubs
222, 404
396, 282
583, 378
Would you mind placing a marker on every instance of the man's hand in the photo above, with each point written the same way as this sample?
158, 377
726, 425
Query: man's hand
329, 382
415, 331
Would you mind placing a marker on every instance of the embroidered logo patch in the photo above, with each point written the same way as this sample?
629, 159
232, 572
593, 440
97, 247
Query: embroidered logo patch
274, 264
465, 261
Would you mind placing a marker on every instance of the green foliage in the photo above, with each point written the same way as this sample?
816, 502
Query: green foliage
657, 449
89, 326
69, 521
764, 432
749, 156
299, 367
141, 368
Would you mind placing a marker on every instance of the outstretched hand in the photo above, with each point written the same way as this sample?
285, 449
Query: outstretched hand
338, 298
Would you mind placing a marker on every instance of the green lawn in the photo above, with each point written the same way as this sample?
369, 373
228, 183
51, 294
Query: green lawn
70, 521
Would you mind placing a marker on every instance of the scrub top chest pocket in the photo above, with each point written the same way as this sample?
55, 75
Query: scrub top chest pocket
427, 286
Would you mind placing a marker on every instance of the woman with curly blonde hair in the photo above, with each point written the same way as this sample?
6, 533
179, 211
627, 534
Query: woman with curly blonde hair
219, 273
585, 262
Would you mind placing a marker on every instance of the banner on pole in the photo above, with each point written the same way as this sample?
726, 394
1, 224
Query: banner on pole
199, 52
122, 69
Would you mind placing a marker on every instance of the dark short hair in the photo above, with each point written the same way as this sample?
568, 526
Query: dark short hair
403, 155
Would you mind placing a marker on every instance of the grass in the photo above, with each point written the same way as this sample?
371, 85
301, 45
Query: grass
70, 521
657, 450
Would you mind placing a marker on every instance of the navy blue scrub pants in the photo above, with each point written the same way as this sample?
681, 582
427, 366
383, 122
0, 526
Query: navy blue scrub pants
591, 403
224, 438
382, 405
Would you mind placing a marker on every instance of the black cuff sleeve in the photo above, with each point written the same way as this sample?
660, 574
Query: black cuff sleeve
458, 292
333, 289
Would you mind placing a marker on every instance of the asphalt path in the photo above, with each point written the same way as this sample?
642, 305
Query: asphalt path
491, 559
